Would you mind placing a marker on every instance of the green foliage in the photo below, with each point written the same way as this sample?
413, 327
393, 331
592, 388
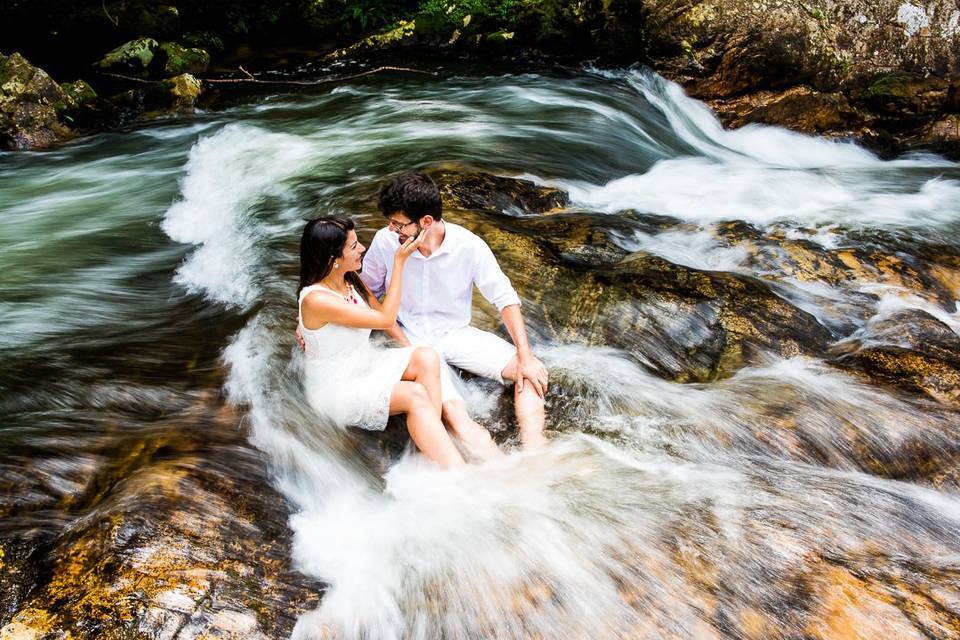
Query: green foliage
365, 15
459, 14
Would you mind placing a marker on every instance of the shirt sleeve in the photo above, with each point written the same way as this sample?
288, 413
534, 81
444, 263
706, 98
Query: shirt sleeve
490, 279
374, 272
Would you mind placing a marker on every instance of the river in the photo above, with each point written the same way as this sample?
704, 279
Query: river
148, 271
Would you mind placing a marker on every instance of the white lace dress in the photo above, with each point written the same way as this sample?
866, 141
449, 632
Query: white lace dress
348, 379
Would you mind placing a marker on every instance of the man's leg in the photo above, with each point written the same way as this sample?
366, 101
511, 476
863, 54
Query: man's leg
474, 437
531, 415
490, 356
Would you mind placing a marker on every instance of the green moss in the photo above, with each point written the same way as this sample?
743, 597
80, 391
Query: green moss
203, 40
180, 59
78, 92
136, 54
895, 85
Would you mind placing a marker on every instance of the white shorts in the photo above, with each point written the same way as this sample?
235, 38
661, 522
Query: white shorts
479, 352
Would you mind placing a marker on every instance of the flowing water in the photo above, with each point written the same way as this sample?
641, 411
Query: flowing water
143, 271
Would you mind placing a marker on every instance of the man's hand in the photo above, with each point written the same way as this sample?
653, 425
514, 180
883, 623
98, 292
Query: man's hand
533, 370
303, 345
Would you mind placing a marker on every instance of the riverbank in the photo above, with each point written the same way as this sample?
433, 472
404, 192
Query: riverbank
884, 73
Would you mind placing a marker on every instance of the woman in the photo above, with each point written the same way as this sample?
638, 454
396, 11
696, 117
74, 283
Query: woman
347, 378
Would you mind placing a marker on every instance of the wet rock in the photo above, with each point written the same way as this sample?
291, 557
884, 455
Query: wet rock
78, 93
910, 349
495, 194
905, 95
132, 57
178, 94
944, 132
825, 44
177, 59
799, 108
683, 324
29, 103
191, 544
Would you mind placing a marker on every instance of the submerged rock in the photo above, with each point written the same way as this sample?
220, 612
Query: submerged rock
29, 106
190, 542
910, 348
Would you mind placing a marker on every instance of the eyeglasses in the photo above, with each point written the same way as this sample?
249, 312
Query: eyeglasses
396, 226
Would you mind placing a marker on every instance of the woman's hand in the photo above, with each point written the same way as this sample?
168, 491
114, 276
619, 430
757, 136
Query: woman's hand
408, 247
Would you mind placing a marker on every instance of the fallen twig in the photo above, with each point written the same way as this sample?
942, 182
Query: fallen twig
123, 77
251, 78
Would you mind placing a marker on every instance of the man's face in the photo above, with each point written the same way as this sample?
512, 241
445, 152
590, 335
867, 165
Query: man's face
403, 226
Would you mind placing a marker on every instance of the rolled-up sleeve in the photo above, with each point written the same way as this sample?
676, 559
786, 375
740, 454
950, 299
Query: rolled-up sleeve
490, 279
374, 272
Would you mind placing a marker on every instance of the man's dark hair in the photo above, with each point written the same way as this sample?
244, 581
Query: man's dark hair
415, 194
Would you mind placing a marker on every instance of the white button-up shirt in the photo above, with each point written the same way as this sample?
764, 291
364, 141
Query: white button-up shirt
438, 289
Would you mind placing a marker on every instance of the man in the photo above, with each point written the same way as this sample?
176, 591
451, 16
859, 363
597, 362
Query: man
435, 307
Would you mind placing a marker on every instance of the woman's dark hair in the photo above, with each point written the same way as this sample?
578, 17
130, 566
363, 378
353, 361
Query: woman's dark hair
321, 245
413, 193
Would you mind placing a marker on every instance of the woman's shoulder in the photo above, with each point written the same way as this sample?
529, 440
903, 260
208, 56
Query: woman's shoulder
317, 295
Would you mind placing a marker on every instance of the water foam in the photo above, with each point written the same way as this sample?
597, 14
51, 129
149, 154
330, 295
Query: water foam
765, 174
226, 174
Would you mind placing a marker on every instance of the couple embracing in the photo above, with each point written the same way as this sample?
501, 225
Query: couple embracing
416, 285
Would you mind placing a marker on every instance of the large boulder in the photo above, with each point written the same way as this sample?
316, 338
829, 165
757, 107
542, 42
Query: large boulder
866, 68
748, 45
579, 285
688, 325
29, 106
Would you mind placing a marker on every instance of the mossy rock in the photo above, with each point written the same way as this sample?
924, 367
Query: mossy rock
177, 59
134, 56
29, 106
177, 94
202, 40
78, 93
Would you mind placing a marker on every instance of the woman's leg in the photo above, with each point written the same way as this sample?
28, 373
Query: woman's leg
424, 367
474, 437
423, 423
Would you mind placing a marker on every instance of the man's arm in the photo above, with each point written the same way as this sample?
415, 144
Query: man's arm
496, 288
529, 366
